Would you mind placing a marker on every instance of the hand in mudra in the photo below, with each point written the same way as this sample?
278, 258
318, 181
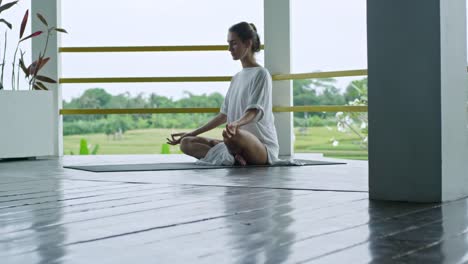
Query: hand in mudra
177, 137
231, 130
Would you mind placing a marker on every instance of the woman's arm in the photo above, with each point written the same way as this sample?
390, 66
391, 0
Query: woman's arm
248, 117
213, 123
218, 120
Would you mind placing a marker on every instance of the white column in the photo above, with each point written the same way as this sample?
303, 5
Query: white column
50, 9
454, 84
278, 60
418, 134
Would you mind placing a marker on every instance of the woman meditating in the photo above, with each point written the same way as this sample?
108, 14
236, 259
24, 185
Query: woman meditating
250, 135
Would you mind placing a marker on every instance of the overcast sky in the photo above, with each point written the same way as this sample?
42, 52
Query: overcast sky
326, 35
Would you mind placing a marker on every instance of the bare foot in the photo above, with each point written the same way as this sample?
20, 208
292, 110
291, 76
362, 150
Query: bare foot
240, 160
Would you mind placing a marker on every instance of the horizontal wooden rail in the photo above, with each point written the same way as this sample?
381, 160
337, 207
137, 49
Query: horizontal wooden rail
276, 77
146, 48
319, 108
146, 79
137, 111
313, 75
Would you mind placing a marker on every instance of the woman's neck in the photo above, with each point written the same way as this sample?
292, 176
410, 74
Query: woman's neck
249, 62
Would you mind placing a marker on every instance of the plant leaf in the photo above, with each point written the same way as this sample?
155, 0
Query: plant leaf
23, 23
42, 86
23, 67
31, 68
6, 6
41, 63
42, 19
37, 65
45, 79
35, 34
84, 147
6, 23
60, 30
95, 149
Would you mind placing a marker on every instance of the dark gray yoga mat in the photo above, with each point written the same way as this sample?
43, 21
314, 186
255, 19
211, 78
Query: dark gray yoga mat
183, 166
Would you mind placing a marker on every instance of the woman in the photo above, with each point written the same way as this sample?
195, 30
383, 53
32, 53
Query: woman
250, 134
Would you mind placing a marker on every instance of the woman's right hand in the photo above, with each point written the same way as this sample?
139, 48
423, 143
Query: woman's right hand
177, 137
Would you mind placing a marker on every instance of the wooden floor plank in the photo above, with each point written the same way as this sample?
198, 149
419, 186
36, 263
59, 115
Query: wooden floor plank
85, 199
37, 194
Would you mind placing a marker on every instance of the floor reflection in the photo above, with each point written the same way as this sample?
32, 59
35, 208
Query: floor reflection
429, 234
455, 226
262, 221
51, 241
28, 224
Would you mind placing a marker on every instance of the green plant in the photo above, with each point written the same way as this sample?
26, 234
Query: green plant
84, 148
352, 122
32, 72
165, 149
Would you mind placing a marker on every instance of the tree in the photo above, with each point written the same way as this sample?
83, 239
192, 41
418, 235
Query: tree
156, 101
352, 122
306, 92
95, 98
355, 89
331, 96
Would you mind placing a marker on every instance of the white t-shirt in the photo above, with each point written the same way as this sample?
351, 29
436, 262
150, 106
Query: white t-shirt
251, 88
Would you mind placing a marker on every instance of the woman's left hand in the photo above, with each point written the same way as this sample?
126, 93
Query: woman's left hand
232, 129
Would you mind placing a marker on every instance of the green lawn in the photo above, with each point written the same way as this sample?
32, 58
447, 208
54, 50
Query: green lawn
149, 141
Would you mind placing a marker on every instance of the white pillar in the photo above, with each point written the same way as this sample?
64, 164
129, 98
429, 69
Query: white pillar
418, 131
278, 60
50, 9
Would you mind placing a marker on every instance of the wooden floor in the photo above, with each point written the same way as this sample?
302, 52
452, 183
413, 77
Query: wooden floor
314, 214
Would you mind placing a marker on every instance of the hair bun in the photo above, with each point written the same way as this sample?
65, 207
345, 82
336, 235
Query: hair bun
253, 27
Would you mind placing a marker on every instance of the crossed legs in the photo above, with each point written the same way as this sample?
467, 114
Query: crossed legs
244, 146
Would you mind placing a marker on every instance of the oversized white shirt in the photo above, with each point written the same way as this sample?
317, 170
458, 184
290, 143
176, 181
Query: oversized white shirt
251, 88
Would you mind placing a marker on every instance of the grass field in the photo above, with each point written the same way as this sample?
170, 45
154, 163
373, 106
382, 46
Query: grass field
149, 141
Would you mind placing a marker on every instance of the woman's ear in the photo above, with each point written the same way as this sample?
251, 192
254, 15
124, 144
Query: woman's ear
249, 43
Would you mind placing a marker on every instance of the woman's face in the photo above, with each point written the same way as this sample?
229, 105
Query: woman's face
238, 49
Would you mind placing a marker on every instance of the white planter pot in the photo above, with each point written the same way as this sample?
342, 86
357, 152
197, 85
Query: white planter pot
26, 124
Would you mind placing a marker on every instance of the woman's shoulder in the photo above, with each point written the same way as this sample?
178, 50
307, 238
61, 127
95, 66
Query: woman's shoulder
264, 71
253, 73
259, 71
262, 74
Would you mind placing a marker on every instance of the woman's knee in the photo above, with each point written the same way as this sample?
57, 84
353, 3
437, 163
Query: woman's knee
235, 143
185, 144
249, 146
